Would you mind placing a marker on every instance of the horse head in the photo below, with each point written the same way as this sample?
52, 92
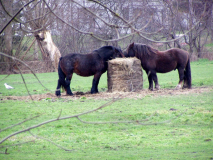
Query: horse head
109, 52
125, 53
130, 51
140, 51
117, 53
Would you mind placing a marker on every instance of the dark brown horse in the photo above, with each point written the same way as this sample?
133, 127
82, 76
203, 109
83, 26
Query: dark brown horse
94, 63
154, 61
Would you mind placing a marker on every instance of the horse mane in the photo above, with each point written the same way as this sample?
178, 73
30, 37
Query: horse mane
143, 50
103, 50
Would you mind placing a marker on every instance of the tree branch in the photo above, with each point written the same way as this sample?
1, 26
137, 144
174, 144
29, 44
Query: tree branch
14, 58
17, 144
57, 119
38, 137
19, 123
136, 122
15, 15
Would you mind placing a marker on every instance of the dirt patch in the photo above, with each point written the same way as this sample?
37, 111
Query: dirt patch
108, 95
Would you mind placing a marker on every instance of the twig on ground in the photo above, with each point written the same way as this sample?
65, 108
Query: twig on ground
39, 137
17, 144
19, 123
136, 122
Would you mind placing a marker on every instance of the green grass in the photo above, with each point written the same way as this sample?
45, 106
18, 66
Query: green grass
201, 76
186, 137
49, 80
209, 45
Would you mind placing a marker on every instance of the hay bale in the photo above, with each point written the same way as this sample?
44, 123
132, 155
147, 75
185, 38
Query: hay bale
124, 75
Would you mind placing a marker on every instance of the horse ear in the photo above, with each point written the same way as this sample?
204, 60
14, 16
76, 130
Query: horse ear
132, 45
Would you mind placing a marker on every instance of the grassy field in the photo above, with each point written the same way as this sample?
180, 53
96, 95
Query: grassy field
187, 136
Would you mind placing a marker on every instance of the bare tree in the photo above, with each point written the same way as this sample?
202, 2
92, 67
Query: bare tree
8, 36
79, 26
185, 15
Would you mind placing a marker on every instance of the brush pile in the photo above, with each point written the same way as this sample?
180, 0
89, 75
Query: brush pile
124, 75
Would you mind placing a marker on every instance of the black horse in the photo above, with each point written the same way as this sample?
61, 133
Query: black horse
94, 63
153, 61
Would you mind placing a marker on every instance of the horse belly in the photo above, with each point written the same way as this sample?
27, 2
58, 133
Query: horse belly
86, 69
83, 72
166, 67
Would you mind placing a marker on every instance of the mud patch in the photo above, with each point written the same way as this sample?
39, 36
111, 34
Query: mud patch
108, 95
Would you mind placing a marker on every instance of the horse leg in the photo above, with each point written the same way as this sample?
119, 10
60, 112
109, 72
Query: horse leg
67, 87
155, 79
95, 82
181, 78
185, 84
187, 76
149, 74
58, 90
61, 80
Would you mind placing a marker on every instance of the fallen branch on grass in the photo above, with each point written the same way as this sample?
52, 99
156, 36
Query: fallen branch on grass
18, 123
80, 114
39, 137
17, 144
74, 116
6, 150
136, 122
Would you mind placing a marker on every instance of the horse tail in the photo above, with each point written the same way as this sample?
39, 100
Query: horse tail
61, 75
61, 80
188, 74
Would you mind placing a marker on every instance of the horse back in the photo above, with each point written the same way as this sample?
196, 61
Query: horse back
83, 64
171, 59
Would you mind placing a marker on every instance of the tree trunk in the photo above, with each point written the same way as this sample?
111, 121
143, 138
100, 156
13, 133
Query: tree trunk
8, 36
190, 26
36, 47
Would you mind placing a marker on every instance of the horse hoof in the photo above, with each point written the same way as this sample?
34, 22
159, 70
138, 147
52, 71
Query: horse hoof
178, 87
94, 92
58, 93
157, 87
69, 94
184, 86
